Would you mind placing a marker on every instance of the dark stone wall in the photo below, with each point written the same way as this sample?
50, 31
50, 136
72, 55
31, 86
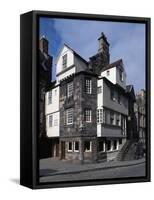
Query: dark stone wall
79, 102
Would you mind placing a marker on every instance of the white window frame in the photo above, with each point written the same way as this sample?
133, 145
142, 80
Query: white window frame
88, 115
50, 120
69, 116
76, 150
70, 150
49, 97
64, 61
70, 89
86, 150
88, 86
100, 116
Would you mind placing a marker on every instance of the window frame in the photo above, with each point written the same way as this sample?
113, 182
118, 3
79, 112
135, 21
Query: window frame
69, 85
50, 97
88, 85
90, 149
50, 120
99, 116
88, 115
70, 150
64, 61
67, 116
74, 146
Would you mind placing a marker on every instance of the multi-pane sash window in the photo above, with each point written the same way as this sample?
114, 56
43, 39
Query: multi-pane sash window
50, 120
70, 89
88, 86
99, 116
64, 61
69, 116
88, 115
50, 97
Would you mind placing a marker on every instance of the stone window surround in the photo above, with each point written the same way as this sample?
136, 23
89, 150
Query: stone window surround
69, 116
88, 85
111, 148
70, 150
90, 149
74, 146
88, 115
70, 89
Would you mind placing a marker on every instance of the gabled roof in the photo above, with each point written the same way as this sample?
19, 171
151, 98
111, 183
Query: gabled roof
118, 63
130, 91
74, 52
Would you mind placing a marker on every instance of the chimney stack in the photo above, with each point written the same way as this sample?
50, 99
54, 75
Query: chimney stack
43, 45
104, 47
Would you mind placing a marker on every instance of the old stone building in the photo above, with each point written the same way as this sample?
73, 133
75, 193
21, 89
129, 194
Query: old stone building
132, 133
86, 108
45, 66
140, 110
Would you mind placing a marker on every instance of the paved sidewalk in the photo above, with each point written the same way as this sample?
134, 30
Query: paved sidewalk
52, 166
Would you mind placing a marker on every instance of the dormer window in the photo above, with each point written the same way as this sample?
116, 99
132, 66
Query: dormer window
64, 61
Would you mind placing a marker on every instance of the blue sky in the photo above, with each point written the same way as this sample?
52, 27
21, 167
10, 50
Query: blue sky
127, 41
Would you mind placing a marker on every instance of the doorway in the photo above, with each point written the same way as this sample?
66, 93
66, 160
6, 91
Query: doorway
62, 150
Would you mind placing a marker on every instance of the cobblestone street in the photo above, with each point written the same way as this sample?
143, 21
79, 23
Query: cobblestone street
52, 170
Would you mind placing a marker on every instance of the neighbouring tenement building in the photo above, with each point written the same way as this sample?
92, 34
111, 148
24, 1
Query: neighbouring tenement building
86, 107
140, 110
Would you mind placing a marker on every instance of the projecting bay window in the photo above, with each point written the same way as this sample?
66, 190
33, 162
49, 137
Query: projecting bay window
50, 120
88, 115
50, 97
99, 116
69, 116
88, 86
64, 61
70, 89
